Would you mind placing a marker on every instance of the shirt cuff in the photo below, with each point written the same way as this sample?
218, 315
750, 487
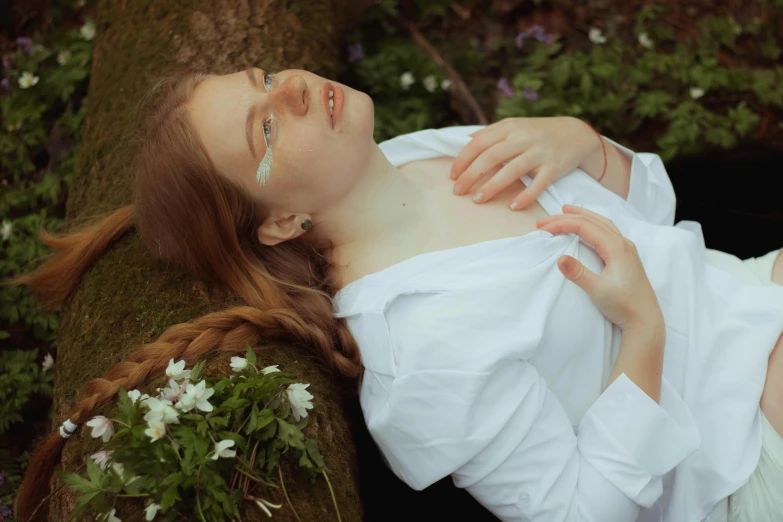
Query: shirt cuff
650, 190
633, 441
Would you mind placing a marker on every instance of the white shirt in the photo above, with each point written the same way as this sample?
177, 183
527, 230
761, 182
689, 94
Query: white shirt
484, 363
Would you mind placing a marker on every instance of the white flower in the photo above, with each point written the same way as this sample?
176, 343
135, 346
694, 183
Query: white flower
63, 57
174, 391
445, 84
101, 426
196, 397
221, 450
151, 511
135, 395
88, 31
111, 517
270, 369
696, 93
160, 410
645, 41
177, 371
299, 398
101, 458
407, 79
238, 363
596, 36
155, 430
430, 83
267, 503
47, 363
5, 230
27, 80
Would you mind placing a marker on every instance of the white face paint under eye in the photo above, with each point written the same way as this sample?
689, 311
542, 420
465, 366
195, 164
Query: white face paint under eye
265, 167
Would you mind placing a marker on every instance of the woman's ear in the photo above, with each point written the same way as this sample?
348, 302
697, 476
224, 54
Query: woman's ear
275, 231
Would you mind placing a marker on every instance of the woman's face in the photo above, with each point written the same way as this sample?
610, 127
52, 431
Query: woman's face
312, 161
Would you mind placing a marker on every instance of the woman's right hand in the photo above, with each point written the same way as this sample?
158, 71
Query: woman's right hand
622, 292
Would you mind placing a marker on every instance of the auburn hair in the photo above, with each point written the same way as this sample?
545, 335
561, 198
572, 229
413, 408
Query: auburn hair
286, 290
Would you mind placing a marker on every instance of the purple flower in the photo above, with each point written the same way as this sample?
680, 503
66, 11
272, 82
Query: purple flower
520, 40
7, 62
355, 52
536, 31
2, 478
5, 84
529, 94
505, 87
5, 511
26, 44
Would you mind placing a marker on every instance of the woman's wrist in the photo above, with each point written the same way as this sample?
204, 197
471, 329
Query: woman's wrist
594, 160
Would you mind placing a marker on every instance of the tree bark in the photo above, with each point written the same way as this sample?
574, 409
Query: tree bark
127, 299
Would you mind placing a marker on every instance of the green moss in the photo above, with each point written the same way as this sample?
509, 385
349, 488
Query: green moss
127, 298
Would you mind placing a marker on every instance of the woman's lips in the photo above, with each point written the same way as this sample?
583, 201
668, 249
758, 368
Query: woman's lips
339, 98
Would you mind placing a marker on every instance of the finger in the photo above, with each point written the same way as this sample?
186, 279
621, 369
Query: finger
571, 209
532, 192
487, 160
505, 122
484, 139
504, 177
607, 224
578, 274
605, 242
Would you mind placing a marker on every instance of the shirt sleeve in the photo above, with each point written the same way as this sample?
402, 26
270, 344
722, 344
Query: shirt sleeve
651, 191
503, 435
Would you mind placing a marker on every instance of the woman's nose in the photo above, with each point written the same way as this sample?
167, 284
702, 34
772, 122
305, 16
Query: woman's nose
292, 95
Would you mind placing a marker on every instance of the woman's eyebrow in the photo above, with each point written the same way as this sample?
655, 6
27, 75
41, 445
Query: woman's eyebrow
251, 114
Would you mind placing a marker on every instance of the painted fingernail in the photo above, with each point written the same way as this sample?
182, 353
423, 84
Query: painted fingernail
514, 206
457, 189
478, 198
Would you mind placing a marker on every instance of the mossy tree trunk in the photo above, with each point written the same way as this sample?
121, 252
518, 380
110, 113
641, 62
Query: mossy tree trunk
127, 299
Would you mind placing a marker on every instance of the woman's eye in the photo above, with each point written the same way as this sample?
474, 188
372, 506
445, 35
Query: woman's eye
267, 130
267, 81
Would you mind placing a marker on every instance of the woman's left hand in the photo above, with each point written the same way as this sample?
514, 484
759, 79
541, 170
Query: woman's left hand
549, 148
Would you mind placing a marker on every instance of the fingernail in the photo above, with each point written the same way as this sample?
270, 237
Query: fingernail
478, 198
457, 189
514, 206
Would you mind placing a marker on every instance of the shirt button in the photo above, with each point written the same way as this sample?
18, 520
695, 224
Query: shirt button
524, 497
621, 397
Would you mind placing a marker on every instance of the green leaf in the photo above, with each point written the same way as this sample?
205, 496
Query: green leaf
265, 416
560, 73
83, 502
744, 119
290, 434
168, 498
653, 103
312, 450
197, 371
586, 84
94, 472
250, 355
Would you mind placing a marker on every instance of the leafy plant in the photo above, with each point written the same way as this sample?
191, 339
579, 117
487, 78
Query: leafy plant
201, 449
680, 87
20, 378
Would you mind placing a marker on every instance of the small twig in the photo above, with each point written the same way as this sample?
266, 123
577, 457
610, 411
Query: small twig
454, 76
290, 504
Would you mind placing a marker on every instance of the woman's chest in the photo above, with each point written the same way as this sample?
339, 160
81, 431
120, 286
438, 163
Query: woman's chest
452, 221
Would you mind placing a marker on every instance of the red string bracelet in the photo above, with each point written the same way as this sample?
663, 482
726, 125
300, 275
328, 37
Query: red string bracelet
603, 148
